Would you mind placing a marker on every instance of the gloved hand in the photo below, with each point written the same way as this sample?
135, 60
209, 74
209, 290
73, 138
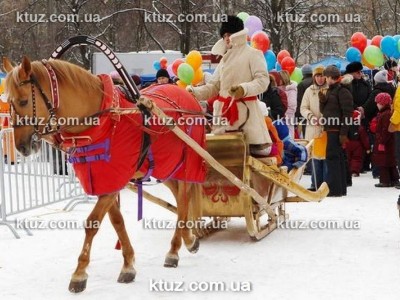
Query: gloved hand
343, 139
381, 147
236, 92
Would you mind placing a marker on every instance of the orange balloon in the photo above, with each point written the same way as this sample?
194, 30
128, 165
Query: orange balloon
181, 84
198, 76
194, 59
365, 63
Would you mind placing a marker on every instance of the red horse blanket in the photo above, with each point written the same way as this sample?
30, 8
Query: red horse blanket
111, 158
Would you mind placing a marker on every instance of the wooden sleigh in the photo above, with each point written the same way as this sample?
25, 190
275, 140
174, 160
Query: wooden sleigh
239, 185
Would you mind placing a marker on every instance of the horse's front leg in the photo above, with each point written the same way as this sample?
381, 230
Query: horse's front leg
182, 196
128, 271
79, 277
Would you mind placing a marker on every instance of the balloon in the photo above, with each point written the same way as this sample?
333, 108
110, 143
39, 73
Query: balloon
288, 64
186, 73
170, 72
156, 65
270, 58
376, 40
278, 67
163, 60
163, 65
282, 54
260, 41
396, 37
359, 41
353, 54
198, 76
398, 45
181, 84
194, 59
369, 42
388, 45
243, 16
176, 64
366, 64
253, 24
297, 75
374, 56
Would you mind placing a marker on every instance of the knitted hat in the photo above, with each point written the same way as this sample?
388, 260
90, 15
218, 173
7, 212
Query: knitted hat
281, 128
232, 25
332, 71
306, 70
383, 99
318, 70
162, 73
353, 67
277, 77
381, 77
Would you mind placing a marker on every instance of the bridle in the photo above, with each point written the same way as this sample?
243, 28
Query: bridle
51, 126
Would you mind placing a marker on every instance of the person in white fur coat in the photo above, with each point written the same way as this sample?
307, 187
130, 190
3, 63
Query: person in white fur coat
239, 78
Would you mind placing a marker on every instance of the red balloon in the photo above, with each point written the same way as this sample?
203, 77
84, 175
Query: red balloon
176, 64
163, 60
376, 41
281, 55
163, 64
288, 64
359, 41
260, 41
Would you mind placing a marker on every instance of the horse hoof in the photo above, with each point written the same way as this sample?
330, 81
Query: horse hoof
195, 247
171, 261
126, 277
77, 286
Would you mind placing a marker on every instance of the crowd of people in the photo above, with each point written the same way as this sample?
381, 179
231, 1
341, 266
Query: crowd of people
354, 119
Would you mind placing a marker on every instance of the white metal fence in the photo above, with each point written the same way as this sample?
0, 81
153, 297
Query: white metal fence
31, 182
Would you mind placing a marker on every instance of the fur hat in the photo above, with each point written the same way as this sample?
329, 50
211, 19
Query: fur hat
232, 25
381, 77
306, 70
383, 99
162, 73
318, 70
332, 71
354, 66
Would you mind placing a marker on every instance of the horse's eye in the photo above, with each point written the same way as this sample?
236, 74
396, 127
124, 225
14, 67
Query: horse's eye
22, 102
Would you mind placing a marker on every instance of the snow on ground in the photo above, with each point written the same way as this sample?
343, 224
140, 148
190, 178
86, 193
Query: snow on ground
291, 264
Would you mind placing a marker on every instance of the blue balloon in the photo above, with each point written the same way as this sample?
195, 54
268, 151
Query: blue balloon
353, 54
156, 65
388, 46
397, 38
278, 67
270, 58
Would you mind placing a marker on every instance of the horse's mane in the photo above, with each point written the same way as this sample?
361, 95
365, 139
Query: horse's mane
67, 74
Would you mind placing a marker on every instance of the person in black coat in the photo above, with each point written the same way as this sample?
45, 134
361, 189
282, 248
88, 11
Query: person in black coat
360, 88
273, 101
382, 85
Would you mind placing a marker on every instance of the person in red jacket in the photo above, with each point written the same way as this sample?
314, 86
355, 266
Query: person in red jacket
383, 154
357, 145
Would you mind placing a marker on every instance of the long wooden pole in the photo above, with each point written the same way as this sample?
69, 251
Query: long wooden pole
211, 160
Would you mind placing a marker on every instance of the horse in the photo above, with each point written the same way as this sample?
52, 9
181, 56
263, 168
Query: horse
49, 91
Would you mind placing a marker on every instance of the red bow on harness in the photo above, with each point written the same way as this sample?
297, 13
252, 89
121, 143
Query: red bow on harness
230, 107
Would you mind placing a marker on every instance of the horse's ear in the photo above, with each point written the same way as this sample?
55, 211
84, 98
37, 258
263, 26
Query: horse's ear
26, 69
7, 65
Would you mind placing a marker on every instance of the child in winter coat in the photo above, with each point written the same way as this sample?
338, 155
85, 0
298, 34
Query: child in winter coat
384, 147
295, 155
357, 145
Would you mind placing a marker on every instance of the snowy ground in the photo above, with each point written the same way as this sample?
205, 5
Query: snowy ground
291, 264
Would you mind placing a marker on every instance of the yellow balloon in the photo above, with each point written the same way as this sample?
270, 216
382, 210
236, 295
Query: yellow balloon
181, 84
198, 76
194, 59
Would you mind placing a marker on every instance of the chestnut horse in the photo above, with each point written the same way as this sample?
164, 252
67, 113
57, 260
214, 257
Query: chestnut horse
29, 91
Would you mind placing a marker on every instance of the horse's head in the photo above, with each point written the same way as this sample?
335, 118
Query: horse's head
27, 109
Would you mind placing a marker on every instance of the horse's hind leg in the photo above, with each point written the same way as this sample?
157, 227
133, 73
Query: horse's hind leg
79, 277
128, 271
180, 191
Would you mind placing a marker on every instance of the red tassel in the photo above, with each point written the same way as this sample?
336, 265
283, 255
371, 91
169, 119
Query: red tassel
118, 245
